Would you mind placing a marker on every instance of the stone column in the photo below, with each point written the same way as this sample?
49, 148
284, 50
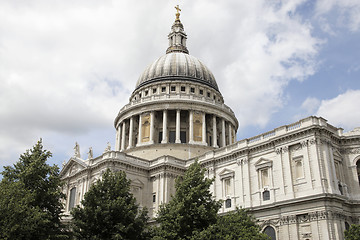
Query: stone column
223, 136
131, 132
123, 136
118, 140
230, 132
177, 139
214, 143
139, 133
191, 127
152, 127
164, 134
204, 129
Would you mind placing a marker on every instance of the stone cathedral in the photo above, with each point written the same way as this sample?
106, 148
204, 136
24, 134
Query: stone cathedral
301, 181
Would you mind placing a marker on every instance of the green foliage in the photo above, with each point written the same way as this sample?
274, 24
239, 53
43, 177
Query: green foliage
353, 233
234, 225
191, 210
109, 211
30, 198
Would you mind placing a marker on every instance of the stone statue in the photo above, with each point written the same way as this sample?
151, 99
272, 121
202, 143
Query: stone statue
90, 153
108, 148
77, 150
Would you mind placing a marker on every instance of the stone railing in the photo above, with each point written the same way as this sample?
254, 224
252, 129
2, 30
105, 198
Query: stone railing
301, 124
175, 97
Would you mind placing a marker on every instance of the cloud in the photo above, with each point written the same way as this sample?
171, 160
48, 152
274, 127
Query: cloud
310, 105
343, 110
346, 13
261, 47
68, 67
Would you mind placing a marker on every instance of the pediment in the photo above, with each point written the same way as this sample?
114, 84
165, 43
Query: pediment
73, 166
226, 173
263, 163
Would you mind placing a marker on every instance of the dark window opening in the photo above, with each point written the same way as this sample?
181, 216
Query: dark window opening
154, 90
183, 136
172, 135
154, 197
146, 92
192, 90
340, 188
347, 225
201, 92
266, 195
160, 136
183, 88
208, 94
163, 89
228, 203
173, 88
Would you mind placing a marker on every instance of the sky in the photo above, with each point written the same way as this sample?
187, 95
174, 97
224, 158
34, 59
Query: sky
68, 67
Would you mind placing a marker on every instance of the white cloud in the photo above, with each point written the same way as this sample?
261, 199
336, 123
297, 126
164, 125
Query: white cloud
343, 110
347, 13
262, 48
68, 67
310, 105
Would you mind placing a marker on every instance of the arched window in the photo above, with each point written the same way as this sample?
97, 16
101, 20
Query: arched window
347, 226
358, 170
72, 198
270, 231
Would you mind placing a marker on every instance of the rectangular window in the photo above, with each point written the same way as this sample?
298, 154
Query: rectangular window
163, 89
192, 90
160, 136
208, 94
154, 90
173, 88
265, 177
183, 136
72, 198
228, 203
227, 186
183, 88
201, 92
299, 169
146, 92
266, 195
172, 135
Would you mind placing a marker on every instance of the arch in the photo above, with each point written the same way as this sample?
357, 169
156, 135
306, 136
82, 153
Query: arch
270, 231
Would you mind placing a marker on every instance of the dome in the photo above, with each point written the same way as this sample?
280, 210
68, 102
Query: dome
177, 66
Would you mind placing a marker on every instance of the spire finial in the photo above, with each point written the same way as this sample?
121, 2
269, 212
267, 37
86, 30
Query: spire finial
178, 12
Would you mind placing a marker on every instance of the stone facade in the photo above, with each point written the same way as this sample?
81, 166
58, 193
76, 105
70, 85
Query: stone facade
301, 181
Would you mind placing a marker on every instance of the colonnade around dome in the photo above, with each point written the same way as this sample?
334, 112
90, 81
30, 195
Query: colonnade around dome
174, 126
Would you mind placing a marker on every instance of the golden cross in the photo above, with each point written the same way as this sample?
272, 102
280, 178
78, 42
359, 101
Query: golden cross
178, 13
177, 8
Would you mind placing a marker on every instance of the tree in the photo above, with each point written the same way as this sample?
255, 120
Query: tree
234, 225
109, 211
353, 233
191, 210
30, 198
